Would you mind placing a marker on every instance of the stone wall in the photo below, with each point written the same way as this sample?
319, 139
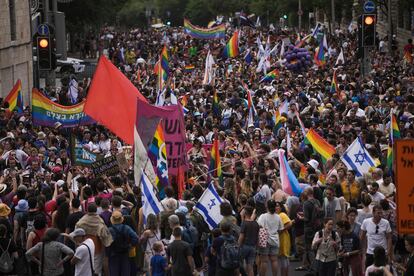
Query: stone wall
16, 56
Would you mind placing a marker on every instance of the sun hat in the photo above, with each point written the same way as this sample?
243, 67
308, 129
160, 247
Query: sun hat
117, 217
4, 210
22, 205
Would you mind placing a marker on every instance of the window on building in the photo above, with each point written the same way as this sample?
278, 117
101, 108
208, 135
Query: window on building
12, 16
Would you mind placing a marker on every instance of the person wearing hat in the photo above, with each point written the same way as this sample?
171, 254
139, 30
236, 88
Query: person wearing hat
85, 251
20, 214
96, 229
4, 217
123, 239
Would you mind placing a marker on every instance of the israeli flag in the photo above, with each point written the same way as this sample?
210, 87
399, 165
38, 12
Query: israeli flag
73, 91
357, 158
150, 202
209, 207
160, 97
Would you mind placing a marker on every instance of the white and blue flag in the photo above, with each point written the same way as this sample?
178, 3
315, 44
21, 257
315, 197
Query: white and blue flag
357, 158
73, 90
209, 207
150, 202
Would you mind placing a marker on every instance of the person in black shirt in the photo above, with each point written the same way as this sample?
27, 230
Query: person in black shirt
180, 255
351, 251
249, 232
75, 216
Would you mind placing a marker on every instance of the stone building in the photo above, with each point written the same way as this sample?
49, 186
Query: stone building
15, 47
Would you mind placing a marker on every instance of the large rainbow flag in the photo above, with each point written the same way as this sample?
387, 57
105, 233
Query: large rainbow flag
215, 162
158, 153
15, 98
320, 145
232, 48
218, 32
290, 183
48, 113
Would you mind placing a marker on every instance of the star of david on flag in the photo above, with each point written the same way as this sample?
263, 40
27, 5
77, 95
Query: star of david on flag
209, 207
357, 158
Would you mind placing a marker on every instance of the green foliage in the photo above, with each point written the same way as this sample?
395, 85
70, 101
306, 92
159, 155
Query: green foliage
197, 13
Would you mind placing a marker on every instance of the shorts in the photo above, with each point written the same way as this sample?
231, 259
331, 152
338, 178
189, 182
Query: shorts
269, 250
248, 254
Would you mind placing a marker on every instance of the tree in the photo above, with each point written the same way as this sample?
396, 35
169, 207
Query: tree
197, 12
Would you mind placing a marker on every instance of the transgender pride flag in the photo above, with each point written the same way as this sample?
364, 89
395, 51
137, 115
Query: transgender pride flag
290, 184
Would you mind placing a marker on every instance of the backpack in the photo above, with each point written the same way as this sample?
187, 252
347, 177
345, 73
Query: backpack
318, 214
230, 254
320, 233
190, 234
120, 245
6, 262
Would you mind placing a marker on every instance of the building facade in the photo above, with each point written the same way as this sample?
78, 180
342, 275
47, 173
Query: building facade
15, 47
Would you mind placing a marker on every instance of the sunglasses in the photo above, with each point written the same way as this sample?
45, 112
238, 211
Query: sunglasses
376, 229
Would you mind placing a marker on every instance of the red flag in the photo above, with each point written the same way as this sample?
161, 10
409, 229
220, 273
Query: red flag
112, 100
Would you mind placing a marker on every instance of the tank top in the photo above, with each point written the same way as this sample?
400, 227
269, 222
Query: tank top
38, 235
152, 240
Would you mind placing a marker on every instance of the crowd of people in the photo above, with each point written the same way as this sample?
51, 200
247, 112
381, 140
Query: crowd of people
56, 218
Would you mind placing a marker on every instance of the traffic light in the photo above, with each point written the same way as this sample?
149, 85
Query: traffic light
368, 30
44, 52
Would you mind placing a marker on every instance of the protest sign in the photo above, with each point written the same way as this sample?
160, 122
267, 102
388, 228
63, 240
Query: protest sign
107, 166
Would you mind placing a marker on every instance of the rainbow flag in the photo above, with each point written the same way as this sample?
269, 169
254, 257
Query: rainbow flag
216, 106
390, 157
270, 76
278, 121
320, 145
189, 68
158, 153
319, 57
162, 68
217, 32
184, 101
394, 128
215, 162
301, 43
48, 113
303, 173
290, 183
334, 84
232, 48
15, 99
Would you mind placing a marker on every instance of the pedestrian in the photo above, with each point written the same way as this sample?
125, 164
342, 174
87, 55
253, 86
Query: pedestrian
48, 254
123, 239
158, 261
284, 237
326, 242
148, 238
85, 251
8, 253
226, 249
376, 232
273, 225
350, 249
179, 255
379, 264
96, 230
249, 232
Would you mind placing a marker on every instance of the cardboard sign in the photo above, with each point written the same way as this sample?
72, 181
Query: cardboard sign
404, 164
122, 161
108, 166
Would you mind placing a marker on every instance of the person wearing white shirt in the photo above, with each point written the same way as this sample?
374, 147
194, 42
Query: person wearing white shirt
386, 187
358, 111
84, 254
376, 231
375, 195
273, 224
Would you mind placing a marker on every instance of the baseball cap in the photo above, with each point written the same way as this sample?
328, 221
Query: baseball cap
77, 232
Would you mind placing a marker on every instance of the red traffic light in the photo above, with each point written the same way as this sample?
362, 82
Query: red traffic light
369, 20
43, 43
